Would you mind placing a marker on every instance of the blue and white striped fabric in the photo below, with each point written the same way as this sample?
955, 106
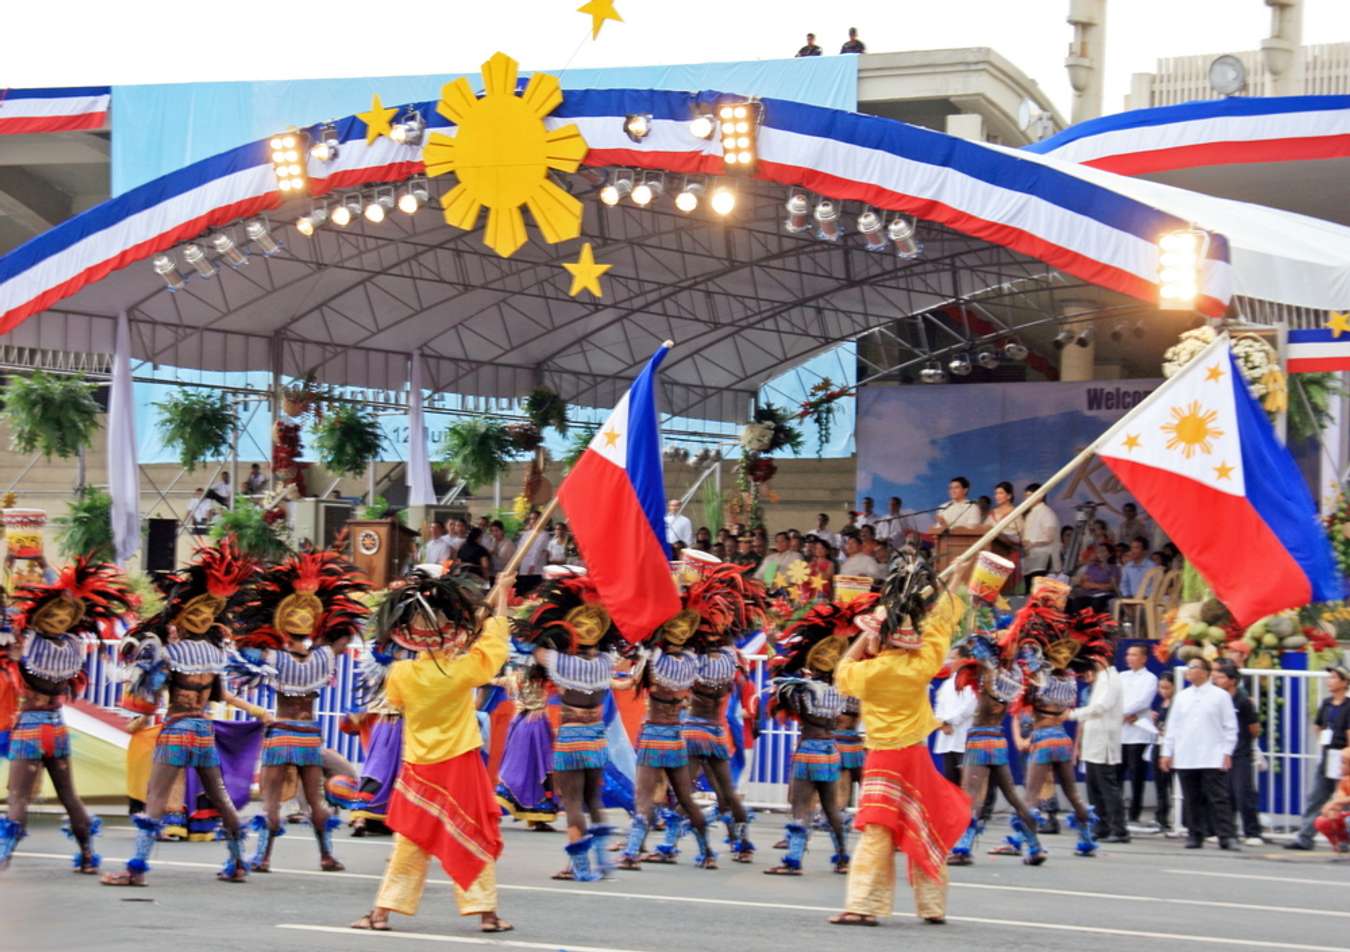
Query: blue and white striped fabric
300, 676
65, 109
673, 672
195, 657
577, 673
53, 659
718, 668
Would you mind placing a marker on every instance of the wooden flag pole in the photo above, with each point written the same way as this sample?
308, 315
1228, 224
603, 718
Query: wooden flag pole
524, 546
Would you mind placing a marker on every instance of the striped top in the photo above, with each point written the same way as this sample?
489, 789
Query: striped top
578, 673
195, 657
717, 669
822, 700
852, 705
673, 672
297, 677
53, 659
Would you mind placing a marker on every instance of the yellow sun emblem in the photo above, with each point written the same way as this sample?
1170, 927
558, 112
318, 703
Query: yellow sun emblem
502, 153
1192, 429
798, 571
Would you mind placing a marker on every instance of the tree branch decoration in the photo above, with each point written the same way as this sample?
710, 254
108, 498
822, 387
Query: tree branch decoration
820, 407
197, 425
348, 438
478, 449
56, 416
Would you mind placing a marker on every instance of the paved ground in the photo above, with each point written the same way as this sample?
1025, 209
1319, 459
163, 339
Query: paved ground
1149, 895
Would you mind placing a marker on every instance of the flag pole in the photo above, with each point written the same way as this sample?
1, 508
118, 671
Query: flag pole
1219, 343
524, 546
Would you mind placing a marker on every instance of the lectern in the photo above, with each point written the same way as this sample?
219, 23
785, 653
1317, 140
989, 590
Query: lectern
952, 543
378, 547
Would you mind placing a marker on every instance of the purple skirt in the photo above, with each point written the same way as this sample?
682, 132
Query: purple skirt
383, 759
526, 761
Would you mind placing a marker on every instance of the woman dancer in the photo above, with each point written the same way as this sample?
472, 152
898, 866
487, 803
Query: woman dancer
47, 664
524, 780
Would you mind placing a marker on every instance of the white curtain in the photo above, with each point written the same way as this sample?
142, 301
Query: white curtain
420, 492
123, 474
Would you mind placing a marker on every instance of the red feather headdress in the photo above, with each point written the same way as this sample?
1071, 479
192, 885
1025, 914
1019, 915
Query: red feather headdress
99, 587
548, 624
322, 585
728, 602
822, 620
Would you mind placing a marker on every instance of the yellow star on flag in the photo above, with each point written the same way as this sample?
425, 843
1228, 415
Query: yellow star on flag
599, 11
1223, 471
1339, 323
379, 121
586, 273
1132, 441
611, 437
1214, 373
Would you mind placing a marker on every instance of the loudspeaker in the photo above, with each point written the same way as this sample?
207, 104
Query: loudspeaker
161, 544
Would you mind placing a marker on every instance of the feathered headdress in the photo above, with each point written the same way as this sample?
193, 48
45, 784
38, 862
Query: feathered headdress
907, 595
567, 615
84, 594
426, 612
1093, 632
728, 603
818, 638
311, 595
196, 596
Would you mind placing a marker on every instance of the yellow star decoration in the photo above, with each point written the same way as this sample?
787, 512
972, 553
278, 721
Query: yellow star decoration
1338, 322
502, 153
379, 121
611, 438
1191, 429
1131, 441
798, 593
798, 572
599, 11
586, 273
1214, 373
1223, 471
780, 580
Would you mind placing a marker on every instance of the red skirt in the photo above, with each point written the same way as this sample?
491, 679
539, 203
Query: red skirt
926, 813
449, 810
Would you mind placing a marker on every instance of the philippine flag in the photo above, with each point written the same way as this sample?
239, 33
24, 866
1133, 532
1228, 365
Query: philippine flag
615, 500
1199, 454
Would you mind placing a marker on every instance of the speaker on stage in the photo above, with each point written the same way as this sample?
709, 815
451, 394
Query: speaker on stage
161, 543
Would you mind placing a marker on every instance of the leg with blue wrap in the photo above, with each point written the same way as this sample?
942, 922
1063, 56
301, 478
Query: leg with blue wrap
840, 858
147, 832
235, 869
11, 831
676, 826
960, 855
267, 835
637, 843
311, 782
1087, 838
707, 856
579, 860
791, 864
85, 860
601, 834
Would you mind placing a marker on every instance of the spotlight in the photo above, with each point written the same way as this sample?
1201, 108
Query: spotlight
347, 211
702, 126
827, 221
409, 131
286, 163
414, 196
1063, 339
326, 149
225, 247
1180, 257
960, 365
378, 206
316, 217
723, 200
617, 189
740, 125
901, 233
1138, 329
1118, 332
689, 196
195, 255
1084, 338
305, 225
987, 359
932, 373
1015, 350
648, 189
637, 127
799, 214
869, 226
167, 269
258, 234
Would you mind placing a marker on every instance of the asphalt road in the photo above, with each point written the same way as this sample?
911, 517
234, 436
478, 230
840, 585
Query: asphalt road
1149, 895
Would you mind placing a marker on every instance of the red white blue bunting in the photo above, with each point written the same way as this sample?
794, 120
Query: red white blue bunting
1045, 212
1319, 350
1219, 132
68, 109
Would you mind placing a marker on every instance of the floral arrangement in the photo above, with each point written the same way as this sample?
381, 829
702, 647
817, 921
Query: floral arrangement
86, 528
1207, 630
525, 437
299, 398
820, 407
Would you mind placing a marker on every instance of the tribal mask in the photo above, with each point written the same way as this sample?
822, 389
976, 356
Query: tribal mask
199, 613
680, 628
298, 615
590, 622
824, 655
58, 616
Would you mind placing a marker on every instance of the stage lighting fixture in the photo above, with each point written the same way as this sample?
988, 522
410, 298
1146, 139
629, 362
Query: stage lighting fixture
932, 373
225, 247
619, 187
740, 129
195, 255
1084, 338
799, 214
827, 221
305, 225
870, 227
901, 233
379, 205
287, 163
327, 148
648, 189
347, 210
1181, 254
1118, 332
688, 198
637, 127
723, 200
702, 126
414, 195
410, 130
167, 269
1138, 329
316, 217
1015, 350
960, 365
987, 359
1063, 339
258, 234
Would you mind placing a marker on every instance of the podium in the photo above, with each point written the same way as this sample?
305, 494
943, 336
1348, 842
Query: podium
952, 543
378, 547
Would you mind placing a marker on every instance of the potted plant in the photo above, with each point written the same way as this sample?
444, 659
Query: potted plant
197, 425
86, 528
51, 415
546, 409
257, 535
478, 449
348, 439
297, 398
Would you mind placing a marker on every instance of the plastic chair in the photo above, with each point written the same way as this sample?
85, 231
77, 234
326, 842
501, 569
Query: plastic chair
1144, 603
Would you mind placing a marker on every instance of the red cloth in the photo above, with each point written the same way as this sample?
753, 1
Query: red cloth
1333, 828
449, 810
925, 812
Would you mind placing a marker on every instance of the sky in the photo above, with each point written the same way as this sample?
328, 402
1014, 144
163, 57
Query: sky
98, 42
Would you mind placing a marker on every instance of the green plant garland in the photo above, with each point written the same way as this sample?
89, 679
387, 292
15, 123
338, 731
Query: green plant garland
196, 424
478, 449
56, 416
1310, 401
86, 528
348, 438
